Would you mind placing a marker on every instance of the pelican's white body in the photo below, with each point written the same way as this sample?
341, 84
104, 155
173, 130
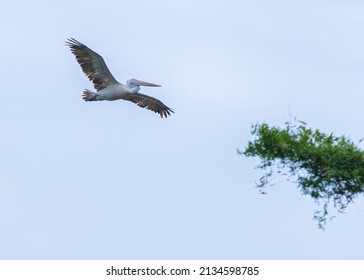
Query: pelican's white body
114, 92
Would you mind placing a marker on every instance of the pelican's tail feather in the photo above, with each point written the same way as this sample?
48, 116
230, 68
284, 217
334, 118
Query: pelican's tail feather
89, 95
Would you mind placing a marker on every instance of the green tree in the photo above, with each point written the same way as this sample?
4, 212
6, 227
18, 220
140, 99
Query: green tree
330, 169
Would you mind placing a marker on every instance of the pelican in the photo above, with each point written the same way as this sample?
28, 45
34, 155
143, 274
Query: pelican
107, 87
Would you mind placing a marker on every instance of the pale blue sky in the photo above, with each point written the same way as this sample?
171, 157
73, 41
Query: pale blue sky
109, 180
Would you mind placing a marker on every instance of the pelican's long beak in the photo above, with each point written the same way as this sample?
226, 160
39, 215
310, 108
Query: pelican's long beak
145, 84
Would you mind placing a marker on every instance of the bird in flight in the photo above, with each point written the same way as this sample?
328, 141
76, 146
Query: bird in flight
107, 87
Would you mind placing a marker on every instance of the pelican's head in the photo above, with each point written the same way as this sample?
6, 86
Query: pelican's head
135, 84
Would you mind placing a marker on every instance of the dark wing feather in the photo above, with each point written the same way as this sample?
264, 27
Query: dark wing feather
149, 103
92, 64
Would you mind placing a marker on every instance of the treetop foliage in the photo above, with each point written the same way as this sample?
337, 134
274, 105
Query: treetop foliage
328, 168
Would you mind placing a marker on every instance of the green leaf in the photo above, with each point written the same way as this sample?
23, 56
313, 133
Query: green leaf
328, 168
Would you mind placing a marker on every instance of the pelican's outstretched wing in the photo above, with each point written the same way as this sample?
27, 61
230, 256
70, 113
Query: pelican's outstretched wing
92, 64
149, 103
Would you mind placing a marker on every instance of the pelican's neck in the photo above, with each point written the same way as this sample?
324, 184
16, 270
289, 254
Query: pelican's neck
133, 87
